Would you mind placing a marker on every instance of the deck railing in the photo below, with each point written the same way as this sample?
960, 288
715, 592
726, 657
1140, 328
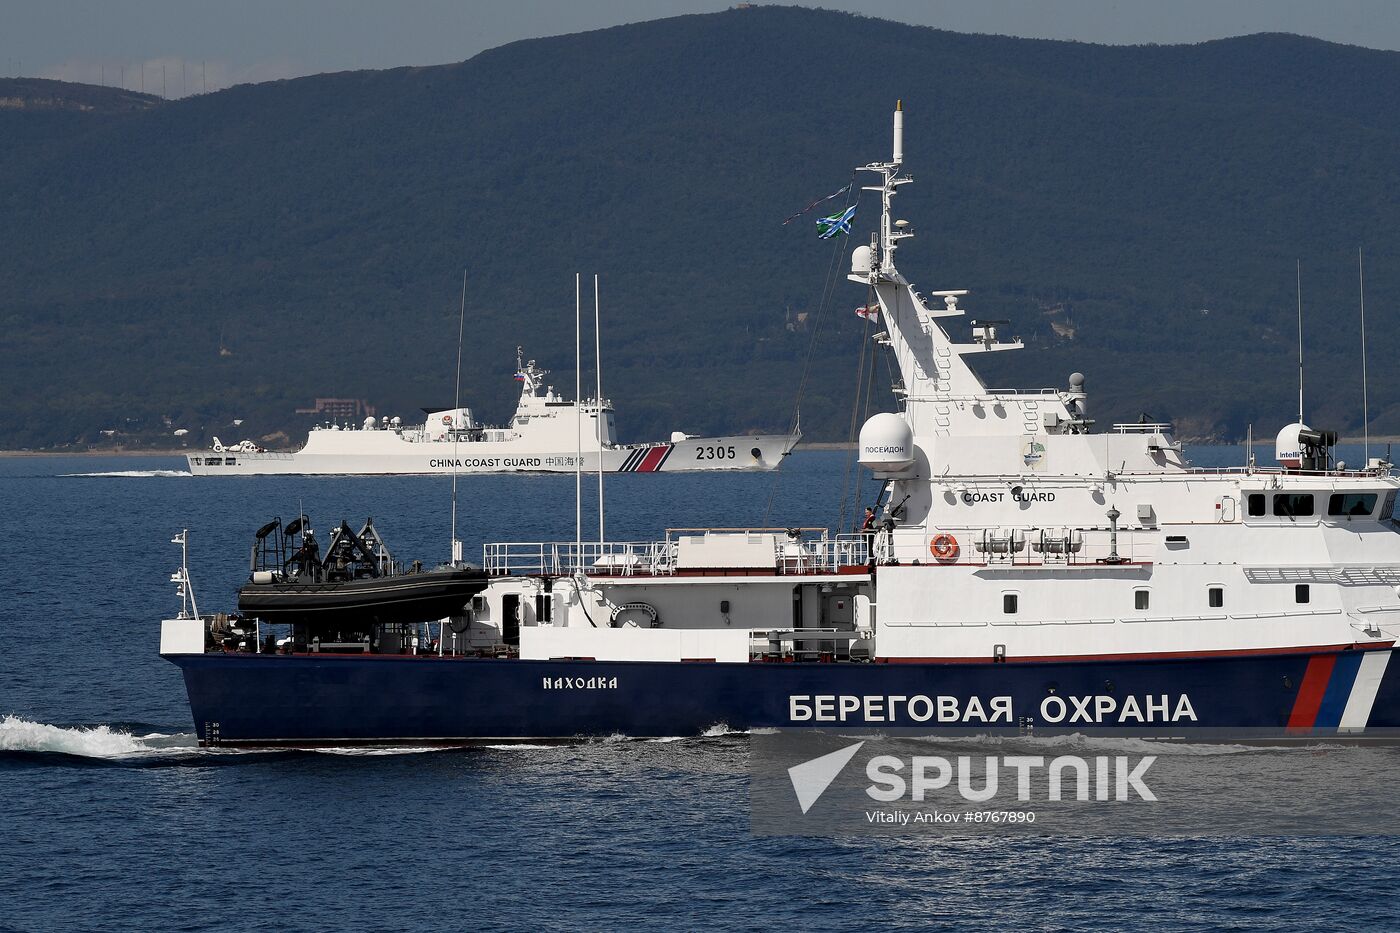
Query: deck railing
799, 551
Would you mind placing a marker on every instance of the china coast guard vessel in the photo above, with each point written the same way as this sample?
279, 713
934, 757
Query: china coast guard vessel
1030, 571
547, 434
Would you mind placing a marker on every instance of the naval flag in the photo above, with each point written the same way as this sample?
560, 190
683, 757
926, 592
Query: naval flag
871, 313
836, 224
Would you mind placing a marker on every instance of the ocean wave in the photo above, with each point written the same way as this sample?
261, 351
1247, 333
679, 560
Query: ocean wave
721, 729
130, 473
104, 742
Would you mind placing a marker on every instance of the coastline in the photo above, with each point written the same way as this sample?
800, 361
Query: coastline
95, 453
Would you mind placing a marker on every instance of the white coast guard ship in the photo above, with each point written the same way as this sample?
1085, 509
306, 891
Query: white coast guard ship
1029, 572
548, 434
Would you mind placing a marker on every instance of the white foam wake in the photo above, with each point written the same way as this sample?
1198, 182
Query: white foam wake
21, 735
376, 752
133, 473
720, 729
1122, 744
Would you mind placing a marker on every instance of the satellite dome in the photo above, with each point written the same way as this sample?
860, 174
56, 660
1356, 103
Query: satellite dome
862, 258
1288, 447
886, 444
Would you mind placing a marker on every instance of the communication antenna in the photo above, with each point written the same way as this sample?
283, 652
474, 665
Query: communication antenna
578, 411
1298, 276
598, 370
1365, 412
456, 413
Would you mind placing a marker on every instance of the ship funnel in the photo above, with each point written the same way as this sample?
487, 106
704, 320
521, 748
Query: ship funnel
899, 132
886, 445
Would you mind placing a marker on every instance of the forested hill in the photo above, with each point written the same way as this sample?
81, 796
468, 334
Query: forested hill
1136, 211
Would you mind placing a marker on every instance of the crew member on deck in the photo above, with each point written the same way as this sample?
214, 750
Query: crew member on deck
867, 533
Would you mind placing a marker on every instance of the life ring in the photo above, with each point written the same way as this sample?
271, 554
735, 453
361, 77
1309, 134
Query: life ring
645, 608
944, 547
446, 419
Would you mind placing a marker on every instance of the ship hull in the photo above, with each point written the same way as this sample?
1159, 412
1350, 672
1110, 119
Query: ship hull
392, 456
261, 700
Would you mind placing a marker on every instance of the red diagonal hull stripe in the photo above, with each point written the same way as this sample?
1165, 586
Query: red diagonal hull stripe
653, 459
1310, 694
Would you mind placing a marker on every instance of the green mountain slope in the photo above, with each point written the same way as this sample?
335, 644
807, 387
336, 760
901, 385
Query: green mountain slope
1135, 211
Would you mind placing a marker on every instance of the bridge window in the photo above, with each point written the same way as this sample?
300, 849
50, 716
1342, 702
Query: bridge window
1256, 503
1293, 504
1009, 603
1216, 596
1351, 503
1140, 599
1302, 592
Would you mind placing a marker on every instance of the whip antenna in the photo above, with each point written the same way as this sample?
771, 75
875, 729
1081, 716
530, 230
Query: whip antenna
598, 371
456, 413
1298, 276
1365, 407
578, 413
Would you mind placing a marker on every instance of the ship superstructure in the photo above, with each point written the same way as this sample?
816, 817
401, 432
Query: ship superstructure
547, 434
1029, 570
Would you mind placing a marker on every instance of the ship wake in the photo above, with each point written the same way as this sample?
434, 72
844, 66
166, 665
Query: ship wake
19, 735
138, 474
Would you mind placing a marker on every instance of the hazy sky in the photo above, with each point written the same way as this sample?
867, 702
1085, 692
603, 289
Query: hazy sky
231, 41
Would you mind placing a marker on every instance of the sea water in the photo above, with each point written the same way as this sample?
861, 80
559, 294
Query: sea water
112, 818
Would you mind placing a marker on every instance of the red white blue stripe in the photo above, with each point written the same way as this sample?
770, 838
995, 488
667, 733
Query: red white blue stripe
1338, 691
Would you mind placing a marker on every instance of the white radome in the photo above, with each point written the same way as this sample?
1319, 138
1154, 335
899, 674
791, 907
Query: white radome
862, 258
1288, 447
886, 444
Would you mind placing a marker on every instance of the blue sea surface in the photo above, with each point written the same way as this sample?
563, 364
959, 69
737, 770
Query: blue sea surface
112, 818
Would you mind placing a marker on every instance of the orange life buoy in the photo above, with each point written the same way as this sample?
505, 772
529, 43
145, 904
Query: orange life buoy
944, 547
446, 419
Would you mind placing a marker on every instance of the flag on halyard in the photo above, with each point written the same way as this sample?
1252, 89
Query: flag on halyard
871, 313
834, 194
836, 224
